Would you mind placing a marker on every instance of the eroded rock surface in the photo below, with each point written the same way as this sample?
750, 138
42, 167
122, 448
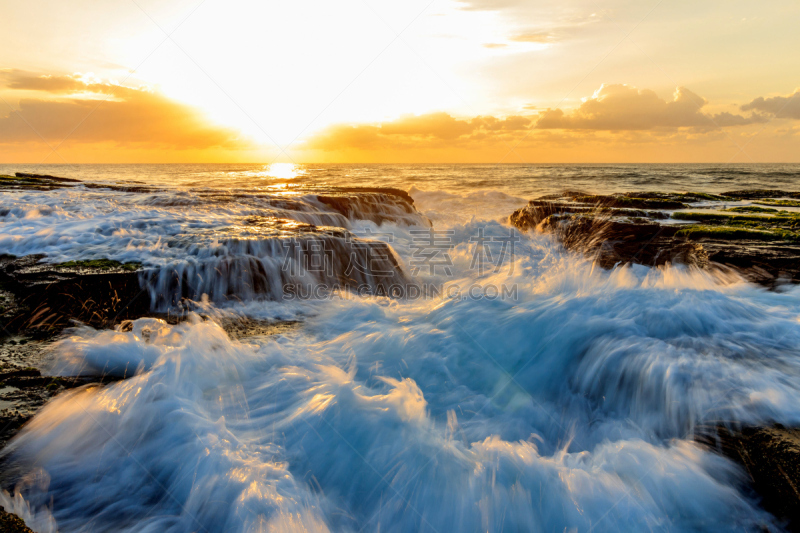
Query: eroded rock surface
698, 229
771, 458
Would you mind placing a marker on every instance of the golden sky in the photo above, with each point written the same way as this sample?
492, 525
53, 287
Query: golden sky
413, 81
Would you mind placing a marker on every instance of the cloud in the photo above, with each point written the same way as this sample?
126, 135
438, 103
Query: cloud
618, 122
488, 5
626, 108
778, 106
411, 130
533, 37
87, 110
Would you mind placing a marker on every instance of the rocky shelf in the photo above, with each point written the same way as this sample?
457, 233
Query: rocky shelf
756, 233
771, 458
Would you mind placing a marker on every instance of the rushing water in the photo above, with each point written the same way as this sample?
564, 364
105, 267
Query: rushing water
567, 400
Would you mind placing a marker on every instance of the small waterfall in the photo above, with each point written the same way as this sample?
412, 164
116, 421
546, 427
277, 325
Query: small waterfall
303, 266
377, 207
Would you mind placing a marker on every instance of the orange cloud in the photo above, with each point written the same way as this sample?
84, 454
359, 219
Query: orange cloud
778, 106
90, 111
533, 37
625, 108
612, 108
409, 131
617, 123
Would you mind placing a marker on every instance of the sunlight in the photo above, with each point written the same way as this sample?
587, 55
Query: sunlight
282, 171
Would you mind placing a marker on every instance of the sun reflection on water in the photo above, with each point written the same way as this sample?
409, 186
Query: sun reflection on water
282, 171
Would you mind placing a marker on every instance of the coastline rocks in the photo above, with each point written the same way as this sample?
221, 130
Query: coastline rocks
44, 182
771, 458
697, 229
10, 523
305, 236
45, 297
611, 236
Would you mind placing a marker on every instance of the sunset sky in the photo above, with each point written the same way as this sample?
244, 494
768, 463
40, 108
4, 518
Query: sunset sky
415, 81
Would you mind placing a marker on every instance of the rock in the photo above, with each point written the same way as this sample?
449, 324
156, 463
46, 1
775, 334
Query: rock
399, 193
45, 182
751, 194
47, 297
612, 236
771, 458
761, 244
10, 523
45, 177
24, 390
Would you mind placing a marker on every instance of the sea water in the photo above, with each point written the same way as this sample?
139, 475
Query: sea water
556, 396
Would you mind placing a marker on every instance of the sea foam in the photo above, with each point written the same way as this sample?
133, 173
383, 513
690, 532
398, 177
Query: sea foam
570, 405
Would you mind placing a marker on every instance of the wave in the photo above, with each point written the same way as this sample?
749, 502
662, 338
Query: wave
568, 403
571, 406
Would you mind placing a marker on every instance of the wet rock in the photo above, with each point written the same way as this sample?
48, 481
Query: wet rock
10, 523
399, 193
611, 237
761, 244
378, 205
241, 328
751, 194
45, 177
771, 458
45, 182
24, 390
46, 297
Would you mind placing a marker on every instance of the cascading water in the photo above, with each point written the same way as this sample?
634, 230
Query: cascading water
569, 402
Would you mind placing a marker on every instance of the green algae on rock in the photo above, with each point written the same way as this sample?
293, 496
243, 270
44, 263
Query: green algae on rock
780, 203
751, 209
762, 244
696, 231
101, 264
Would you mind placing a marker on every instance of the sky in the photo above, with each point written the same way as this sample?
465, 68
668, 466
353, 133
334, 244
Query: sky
461, 81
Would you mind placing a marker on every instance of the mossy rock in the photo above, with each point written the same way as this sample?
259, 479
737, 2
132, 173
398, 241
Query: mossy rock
630, 202
753, 194
701, 231
30, 181
705, 196
718, 217
779, 203
101, 264
752, 209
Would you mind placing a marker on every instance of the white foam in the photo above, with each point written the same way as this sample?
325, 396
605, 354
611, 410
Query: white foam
569, 407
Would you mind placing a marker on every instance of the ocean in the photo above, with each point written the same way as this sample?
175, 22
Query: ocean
518, 387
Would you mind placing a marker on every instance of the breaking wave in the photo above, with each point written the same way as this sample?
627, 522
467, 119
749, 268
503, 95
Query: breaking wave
571, 405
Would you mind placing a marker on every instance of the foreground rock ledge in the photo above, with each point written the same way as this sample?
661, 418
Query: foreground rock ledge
10, 523
771, 458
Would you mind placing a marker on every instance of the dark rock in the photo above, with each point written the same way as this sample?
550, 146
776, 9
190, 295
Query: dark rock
25, 390
763, 247
45, 182
379, 190
770, 264
48, 297
10, 523
771, 458
608, 240
45, 177
752, 194
377, 205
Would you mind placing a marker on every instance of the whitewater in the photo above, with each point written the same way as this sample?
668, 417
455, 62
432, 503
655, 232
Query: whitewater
570, 402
